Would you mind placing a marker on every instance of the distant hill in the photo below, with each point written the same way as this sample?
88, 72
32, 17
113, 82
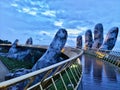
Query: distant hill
4, 42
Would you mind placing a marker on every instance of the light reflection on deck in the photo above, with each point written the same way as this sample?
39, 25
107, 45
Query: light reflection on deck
98, 75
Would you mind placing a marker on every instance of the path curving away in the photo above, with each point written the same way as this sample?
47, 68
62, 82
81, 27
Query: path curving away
99, 75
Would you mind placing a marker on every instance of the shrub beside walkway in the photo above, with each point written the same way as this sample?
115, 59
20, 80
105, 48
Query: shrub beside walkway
3, 71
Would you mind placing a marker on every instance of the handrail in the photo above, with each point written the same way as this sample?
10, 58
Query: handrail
26, 46
13, 81
44, 47
110, 56
110, 52
98, 49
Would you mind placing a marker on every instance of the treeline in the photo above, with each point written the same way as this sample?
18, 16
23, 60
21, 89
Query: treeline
4, 42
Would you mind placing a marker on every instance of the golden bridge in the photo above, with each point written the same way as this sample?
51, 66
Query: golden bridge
66, 75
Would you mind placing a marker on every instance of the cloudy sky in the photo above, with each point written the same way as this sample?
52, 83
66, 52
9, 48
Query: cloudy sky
40, 19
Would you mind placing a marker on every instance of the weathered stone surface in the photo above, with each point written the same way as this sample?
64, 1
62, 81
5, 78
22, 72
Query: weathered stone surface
98, 36
88, 39
79, 42
51, 56
110, 39
3, 54
29, 41
17, 54
17, 73
13, 49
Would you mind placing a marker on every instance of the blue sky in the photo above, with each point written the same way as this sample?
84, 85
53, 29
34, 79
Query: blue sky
40, 19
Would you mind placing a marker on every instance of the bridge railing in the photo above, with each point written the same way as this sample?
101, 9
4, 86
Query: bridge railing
67, 73
107, 55
7, 46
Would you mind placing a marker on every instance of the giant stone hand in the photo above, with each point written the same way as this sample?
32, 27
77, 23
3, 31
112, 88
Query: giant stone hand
98, 43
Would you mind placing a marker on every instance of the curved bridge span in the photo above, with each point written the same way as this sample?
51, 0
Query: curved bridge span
67, 72
100, 70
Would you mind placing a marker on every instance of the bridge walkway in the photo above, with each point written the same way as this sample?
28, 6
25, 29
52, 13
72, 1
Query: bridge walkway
74, 54
98, 74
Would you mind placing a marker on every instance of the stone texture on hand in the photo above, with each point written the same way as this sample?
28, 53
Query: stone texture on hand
88, 39
19, 54
79, 42
98, 43
52, 54
98, 36
110, 39
13, 47
29, 41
